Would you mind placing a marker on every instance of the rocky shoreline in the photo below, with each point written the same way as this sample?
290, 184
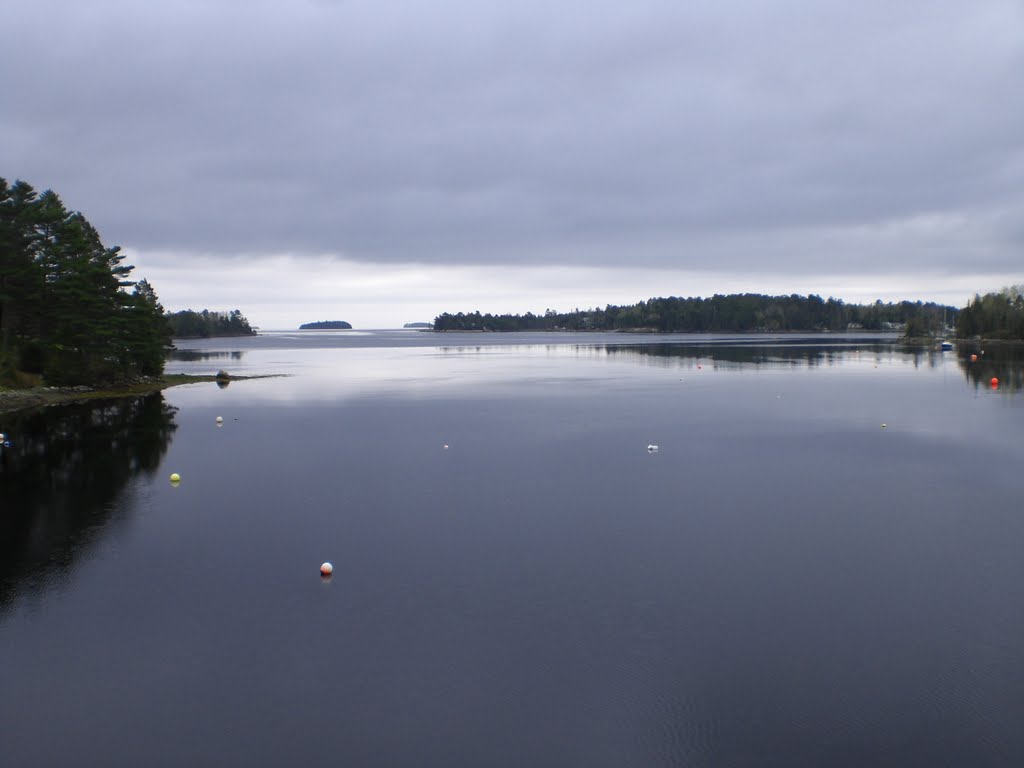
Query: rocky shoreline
36, 397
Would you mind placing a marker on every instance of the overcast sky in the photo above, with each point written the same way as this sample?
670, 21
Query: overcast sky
383, 161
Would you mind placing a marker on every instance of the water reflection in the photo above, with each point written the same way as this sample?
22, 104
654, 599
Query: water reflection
198, 355
65, 467
809, 352
738, 355
1004, 362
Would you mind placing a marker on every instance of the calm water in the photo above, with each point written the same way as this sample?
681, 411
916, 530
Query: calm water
784, 582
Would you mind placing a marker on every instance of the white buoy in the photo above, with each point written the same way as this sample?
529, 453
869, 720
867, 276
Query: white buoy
444, 447
326, 569
884, 425
175, 477
652, 449
220, 419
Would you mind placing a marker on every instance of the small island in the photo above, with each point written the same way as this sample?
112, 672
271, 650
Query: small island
326, 325
426, 326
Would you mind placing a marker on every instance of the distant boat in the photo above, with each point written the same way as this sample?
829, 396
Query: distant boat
945, 344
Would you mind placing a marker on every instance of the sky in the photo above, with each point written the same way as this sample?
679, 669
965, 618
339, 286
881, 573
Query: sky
383, 162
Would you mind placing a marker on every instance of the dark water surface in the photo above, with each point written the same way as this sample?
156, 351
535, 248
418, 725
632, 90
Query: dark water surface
784, 582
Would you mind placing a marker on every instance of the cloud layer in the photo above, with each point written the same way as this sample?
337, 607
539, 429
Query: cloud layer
797, 136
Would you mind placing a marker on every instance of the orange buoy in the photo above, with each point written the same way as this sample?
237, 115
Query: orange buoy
994, 382
326, 569
974, 358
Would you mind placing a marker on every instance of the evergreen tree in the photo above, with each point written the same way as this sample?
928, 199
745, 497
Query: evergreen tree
21, 277
64, 309
147, 335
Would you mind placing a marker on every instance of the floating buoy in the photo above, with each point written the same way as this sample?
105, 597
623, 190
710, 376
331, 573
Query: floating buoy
652, 449
974, 358
994, 382
884, 425
219, 419
326, 569
175, 477
444, 447
2, 437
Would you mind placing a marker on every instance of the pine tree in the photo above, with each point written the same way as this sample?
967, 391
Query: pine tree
64, 309
148, 335
21, 278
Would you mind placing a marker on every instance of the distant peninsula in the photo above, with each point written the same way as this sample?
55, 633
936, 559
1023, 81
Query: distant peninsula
418, 325
326, 325
189, 324
734, 313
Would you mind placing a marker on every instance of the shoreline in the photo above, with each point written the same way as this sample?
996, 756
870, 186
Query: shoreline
12, 400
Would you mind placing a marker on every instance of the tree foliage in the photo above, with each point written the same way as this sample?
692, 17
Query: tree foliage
65, 308
189, 324
994, 315
718, 314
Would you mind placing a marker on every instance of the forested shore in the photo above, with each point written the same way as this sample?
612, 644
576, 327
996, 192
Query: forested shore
734, 313
70, 314
994, 316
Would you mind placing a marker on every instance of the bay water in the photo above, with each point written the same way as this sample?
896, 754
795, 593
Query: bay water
819, 564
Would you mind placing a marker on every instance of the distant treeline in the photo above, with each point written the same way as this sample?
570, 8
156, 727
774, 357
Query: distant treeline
68, 310
718, 314
994, 315
189, 324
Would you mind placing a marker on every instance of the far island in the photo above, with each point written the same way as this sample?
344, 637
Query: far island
326, 325
419, 325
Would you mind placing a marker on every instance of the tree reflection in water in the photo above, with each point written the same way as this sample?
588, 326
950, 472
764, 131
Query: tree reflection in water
999, 360
809, 353
62, 473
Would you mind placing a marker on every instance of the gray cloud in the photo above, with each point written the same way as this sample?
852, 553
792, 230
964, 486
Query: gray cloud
820, 135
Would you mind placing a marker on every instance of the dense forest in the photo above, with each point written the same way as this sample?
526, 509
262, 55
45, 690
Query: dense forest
188, 324
68, 310
732, 313
994, 315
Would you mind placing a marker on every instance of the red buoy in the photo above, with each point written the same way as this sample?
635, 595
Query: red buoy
974, 358
994, 383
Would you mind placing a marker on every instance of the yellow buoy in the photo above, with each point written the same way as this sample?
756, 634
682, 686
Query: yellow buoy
175, 477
